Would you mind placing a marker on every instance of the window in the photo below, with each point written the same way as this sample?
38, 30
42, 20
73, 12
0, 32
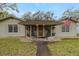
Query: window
12, 28
65, 28
15, 28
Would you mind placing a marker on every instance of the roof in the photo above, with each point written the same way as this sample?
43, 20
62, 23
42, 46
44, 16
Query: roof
72, 19
39, 22
47, 22
10, 17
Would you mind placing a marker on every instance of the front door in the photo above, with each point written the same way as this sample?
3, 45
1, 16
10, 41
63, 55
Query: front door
40, 31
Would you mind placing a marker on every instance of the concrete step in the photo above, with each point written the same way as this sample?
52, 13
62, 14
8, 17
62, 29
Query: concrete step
50, 39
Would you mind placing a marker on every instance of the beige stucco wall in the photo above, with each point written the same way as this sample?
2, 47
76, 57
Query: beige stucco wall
4, 28
71, 34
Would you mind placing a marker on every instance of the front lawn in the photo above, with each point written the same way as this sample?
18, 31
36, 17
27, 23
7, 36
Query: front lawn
11, 46
15, 47
67, 47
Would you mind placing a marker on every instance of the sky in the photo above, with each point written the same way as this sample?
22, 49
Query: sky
57, 8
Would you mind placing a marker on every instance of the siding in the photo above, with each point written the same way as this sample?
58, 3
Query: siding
4, 28
71, 34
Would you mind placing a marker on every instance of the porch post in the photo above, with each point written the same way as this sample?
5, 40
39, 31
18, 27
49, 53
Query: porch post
37, 30
51, 30
43, 31
30, 30
25, 31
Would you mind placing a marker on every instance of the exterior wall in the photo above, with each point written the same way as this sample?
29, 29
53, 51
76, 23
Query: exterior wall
4, 28
21, 30
71, 34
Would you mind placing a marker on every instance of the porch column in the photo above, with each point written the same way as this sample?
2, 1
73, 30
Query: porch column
37, 30
51, 30
43, 31
30, 30
25, 31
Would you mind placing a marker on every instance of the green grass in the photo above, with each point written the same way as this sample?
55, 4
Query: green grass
67, 47
15, 47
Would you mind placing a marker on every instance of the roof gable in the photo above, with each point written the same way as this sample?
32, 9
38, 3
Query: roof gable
71, 19
11, 17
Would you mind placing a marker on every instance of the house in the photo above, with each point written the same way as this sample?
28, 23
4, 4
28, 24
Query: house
15, 27
67, 31
10, 27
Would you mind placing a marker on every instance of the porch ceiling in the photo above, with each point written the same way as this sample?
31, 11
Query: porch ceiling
39, 22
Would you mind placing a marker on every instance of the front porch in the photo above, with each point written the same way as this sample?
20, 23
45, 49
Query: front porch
39, 31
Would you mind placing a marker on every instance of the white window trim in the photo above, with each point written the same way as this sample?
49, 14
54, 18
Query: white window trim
13, 31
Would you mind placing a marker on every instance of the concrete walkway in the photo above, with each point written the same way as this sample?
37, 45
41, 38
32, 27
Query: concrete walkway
42, 49
41, 43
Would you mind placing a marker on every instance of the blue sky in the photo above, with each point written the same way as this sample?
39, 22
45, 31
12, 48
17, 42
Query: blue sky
57, 8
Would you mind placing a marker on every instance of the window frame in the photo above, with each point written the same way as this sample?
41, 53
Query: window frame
10, 28
65, 28
13, 29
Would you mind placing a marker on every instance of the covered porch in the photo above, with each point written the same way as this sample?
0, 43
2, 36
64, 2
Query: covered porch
40, 31
39, 28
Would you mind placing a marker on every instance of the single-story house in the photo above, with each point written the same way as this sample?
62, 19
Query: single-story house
15, 27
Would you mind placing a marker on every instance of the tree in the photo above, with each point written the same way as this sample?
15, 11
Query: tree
8, 6
27, 15
4, 15
39, 15
49, 15
4, 7
71, 13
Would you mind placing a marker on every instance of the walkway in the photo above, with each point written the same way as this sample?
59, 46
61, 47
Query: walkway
42, 49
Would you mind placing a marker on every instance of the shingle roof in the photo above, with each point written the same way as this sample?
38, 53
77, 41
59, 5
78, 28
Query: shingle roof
10, 17
39, 22
72, 19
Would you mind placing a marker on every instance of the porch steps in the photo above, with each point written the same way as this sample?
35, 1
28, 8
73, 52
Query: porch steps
49, 39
